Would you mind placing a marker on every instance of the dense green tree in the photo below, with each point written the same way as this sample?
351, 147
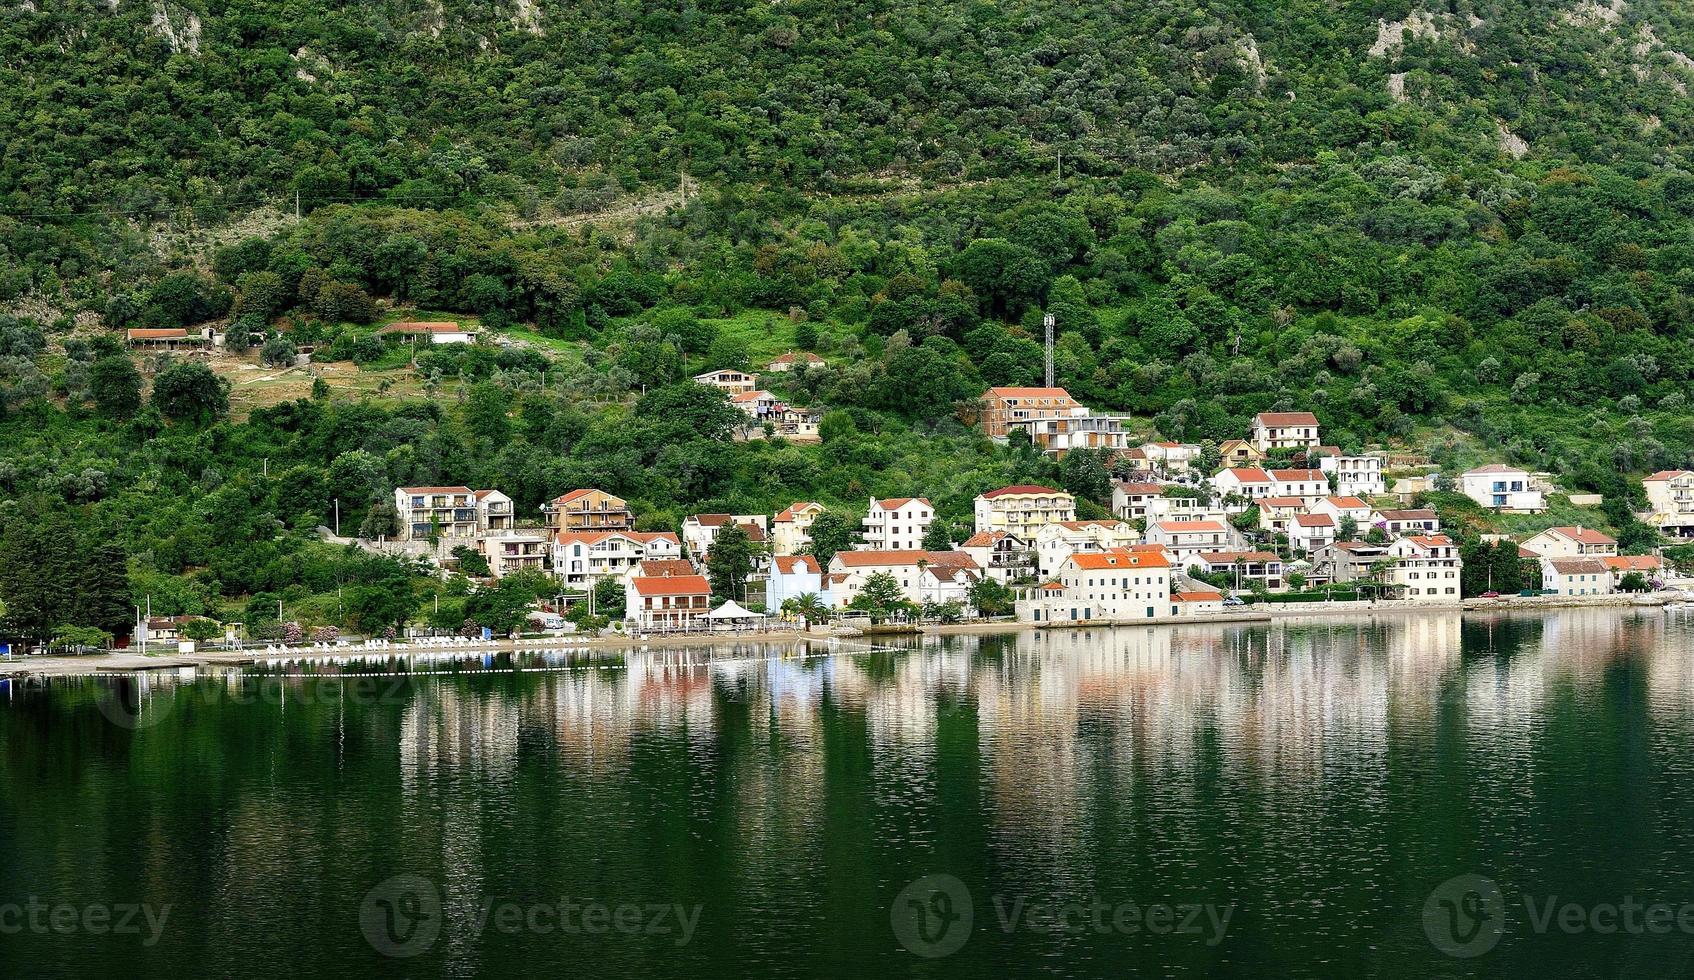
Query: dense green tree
190, 393
115, 385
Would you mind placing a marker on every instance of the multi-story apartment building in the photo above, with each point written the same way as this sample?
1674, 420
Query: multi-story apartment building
1576, 576
1130, 499
1399, 523
923, 576
1005, 405
1310, 486
1355, 475
436, 512
1503, 488
1058, 541
1424, 568
1058, 435
700, 530
1243, 568
729, 379
582, 557
1285, 430
1186, 539
1571, 542
671, 602
1670, 495
1250, 482
514, 551
1002, 557
1023, 509
1169, 457
588, 510
791, 530
897, 523
1104, 586
494, 512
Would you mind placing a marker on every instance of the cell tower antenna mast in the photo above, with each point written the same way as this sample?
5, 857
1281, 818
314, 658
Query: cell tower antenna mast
1047, 328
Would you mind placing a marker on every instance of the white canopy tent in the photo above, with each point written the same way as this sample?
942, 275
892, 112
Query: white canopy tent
733, 614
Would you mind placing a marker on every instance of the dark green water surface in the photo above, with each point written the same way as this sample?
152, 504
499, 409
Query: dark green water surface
1320, 799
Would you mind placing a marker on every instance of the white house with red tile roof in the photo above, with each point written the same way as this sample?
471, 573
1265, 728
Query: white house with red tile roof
1650, 567
731, 380
1185, 539
795, 361
1424, 568
660, 568
1309, 532
793, 576
791, 529
700, 530
897, 523
1197, 600
580, 558
1340, 506
1104, 587
1246, 481
1277, 513
1670, 498
1309, 485
1284, 430
1503, 488
670, 602
1057, 541
1130, 498
923, 576
1023, 509
759, 405
1576, 576
1571, 542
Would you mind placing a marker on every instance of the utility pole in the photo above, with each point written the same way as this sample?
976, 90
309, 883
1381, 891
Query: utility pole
1059, 165
296, 204
338, 517
1047, 322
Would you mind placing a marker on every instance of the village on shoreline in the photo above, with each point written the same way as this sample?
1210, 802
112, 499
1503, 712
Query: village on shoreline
1274, 523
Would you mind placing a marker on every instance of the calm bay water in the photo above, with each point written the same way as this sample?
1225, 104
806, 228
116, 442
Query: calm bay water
1211, 801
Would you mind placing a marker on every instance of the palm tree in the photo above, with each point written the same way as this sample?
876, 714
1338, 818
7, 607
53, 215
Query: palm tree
810, 606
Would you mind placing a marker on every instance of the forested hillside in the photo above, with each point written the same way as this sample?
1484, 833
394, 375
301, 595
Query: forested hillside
1458, 229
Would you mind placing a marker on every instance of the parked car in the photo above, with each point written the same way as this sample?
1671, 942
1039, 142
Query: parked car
1490, 594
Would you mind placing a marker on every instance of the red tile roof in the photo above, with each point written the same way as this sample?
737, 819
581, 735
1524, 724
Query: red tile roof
664, 568
157, 333
798, 565
672, 585
1118, 558
1180, 526
1248, 474
1664, 475
1286, 418
1583, 535
895, 503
